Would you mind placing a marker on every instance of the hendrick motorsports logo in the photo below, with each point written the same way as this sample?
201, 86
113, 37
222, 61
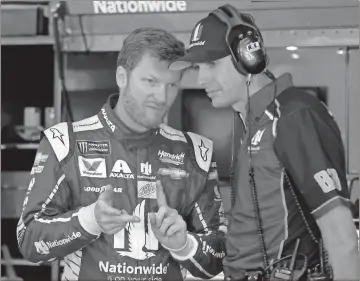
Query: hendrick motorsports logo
44, 247
125, 7
176, 159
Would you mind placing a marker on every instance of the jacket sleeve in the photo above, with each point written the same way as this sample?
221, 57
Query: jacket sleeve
206, 225
309, 145
49, 228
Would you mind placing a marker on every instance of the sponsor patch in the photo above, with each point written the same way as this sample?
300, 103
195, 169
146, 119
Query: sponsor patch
146, 171
58, 137
124, 268
174, 173
87, 147
88, 124
92, 167
203, 149
101, 189
146, 189
166, 157
110, 124
121, 170
44, 247
56, 134
39, 158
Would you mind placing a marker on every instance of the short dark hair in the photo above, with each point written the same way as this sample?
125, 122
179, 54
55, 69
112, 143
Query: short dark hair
158, 42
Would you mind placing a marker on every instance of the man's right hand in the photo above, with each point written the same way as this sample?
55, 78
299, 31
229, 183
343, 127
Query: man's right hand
110, 219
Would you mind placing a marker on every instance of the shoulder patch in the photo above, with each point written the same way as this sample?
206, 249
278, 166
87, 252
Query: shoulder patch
203, 148
58, 136
88, 124
171, 133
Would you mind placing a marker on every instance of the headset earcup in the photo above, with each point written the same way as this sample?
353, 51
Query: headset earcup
252, 54
237, 60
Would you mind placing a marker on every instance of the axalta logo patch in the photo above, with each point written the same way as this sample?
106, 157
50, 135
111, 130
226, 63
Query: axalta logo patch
123, 268
111, 124
146, 189
166, 157
92, 167
126, 7
101, 189
44, 247
88, 147
121, 170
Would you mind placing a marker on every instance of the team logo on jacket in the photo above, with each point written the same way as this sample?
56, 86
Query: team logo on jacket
257, 137
121, 170
166, 157
146, 172
92, 167
255, 141
88, 147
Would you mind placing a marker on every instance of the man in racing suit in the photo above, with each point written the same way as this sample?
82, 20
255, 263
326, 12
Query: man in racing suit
76, 161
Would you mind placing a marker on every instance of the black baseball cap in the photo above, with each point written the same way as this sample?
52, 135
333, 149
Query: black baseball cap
207, 43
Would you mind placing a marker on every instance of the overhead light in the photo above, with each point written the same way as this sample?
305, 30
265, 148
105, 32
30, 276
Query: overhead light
340, 52
291, 48
295, 56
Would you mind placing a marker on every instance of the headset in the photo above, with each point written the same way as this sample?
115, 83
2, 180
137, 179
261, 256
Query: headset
246, 45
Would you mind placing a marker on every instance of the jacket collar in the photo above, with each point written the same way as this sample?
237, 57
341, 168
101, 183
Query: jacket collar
259, 101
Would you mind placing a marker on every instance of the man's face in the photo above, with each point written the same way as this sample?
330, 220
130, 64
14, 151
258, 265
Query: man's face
223, 84
148, 90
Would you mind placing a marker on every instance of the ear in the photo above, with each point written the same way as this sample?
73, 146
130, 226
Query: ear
121, 77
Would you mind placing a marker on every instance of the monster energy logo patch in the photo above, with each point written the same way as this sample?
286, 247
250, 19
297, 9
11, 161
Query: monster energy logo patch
87, 147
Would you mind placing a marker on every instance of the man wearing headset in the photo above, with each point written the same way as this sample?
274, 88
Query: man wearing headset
290, 187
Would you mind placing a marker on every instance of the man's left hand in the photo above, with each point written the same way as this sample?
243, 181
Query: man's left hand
168, 226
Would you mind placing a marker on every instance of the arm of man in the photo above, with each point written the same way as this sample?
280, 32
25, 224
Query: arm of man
309, 145
206, 232
340, 238
48, 228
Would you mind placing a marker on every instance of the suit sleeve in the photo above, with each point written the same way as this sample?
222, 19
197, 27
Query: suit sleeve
48, 228
206, 221
207, 225
309, 145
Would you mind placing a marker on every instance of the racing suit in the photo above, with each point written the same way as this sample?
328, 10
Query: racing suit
74, 163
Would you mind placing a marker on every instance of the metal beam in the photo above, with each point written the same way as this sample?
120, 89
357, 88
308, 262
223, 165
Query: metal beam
273, 39
86, 7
